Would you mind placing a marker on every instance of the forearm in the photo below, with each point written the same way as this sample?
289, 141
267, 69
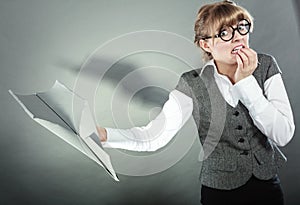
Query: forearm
274, 124
272, 113
176, 111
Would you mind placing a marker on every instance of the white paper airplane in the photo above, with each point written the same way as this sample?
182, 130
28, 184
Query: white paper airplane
68, 116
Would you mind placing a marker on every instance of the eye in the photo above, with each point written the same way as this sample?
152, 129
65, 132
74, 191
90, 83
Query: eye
224, 32
242, 27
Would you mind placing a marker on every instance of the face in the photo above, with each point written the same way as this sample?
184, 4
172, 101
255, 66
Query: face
224, 52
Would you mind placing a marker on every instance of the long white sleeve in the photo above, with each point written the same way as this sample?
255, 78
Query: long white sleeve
175, 112
272, 113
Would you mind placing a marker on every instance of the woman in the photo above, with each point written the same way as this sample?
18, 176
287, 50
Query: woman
240, 166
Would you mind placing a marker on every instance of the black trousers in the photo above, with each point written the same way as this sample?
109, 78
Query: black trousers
254, 192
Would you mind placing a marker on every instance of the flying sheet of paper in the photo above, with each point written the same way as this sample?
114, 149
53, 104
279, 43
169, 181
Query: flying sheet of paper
69, 117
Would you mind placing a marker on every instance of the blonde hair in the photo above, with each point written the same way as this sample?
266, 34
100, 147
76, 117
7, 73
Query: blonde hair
212, 17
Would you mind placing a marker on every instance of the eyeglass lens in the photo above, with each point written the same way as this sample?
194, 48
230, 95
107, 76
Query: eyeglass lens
227, 32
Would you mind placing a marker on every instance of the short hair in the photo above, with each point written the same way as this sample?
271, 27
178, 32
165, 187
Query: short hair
212, 17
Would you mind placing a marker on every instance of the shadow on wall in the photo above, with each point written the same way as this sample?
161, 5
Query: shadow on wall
116, 73
297, 11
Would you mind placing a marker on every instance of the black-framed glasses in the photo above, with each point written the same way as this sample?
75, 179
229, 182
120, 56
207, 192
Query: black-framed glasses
227, 32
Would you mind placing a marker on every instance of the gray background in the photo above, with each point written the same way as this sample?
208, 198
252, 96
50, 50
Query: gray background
42, 41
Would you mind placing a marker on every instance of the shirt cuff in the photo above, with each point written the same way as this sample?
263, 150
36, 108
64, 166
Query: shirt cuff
115, 138
250, 94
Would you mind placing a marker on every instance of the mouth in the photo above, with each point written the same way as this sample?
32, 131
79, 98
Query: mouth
237, 48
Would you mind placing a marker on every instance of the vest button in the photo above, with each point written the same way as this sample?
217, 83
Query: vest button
236, 113
245, 152
240, 127
241, 140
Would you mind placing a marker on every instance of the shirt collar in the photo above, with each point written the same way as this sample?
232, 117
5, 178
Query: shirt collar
208, 65
211, 65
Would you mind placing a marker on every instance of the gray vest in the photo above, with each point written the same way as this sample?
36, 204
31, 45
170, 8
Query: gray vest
234, 148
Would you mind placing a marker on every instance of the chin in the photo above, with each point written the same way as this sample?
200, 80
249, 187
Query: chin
233, 60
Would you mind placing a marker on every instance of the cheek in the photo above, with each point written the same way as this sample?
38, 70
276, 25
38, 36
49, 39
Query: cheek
222, 47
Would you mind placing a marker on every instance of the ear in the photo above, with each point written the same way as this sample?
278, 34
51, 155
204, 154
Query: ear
204, 45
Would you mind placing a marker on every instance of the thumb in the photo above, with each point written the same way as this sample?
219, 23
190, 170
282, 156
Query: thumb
102, 133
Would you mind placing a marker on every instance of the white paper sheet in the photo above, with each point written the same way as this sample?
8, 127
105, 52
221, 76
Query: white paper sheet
69, 117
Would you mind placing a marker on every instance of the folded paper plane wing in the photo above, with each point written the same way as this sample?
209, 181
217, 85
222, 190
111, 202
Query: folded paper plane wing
69, 117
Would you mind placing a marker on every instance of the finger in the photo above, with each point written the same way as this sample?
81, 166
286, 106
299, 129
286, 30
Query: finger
244, 58
239, 62
251, 54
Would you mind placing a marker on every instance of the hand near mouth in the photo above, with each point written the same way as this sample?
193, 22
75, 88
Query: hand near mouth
246, 63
